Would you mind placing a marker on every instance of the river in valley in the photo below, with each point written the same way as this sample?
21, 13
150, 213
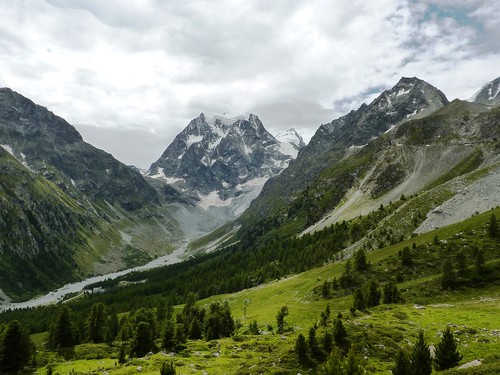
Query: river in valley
176, 256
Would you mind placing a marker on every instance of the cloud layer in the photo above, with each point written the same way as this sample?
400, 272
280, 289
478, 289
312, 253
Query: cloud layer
144, 70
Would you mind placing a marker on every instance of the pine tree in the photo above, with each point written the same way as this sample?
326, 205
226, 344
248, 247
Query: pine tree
63, 333
421, 361
280, 319
461, 260
449, 278
447, 354
360, 263
195, 331
169, 336
373, 294
391, 293
301, 349
327, 342
493, 227
96, 321
406, 259
359, 300
339, 333
167, 368
17, 348
347, 278
334, 364
351, 365
402, 365
122, 355
143, 341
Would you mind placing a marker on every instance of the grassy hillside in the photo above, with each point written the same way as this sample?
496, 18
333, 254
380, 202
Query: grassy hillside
470, 308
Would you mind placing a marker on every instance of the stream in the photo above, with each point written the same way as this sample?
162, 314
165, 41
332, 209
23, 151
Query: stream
176, 256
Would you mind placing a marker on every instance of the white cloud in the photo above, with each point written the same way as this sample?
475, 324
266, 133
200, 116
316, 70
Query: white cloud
151, 66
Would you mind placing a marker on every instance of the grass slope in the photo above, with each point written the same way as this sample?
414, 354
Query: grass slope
471, 310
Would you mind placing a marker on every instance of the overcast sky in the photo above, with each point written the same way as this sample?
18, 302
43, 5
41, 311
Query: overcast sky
130, 75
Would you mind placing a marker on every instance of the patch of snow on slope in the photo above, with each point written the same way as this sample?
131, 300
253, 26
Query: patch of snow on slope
213, 200
192, 139
8, 149
225, 119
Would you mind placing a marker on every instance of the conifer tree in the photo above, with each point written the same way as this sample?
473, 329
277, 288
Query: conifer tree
17, 348
421, 361
360, 263
448, 278
301, 349
406, 259
169, 336
447, 354
402, 365
347, 278
339, 333
63, 333
96, 321
493, 227
351, 365
359, 300
280, 319
167, 368
373, 294
195, 331
143, 341
391, 293
334, 363
327, 342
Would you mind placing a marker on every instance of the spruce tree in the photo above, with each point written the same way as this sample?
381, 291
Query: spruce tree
339, 333
421, 361
493, 227
63, 333
143, 341
96, 321
301, 349
447, 354
17, 348
167, 368
406, 259
360, 263
359, 300
347, 278
280, 319
334, 364
169, 336
351, 365
448, 278
402, 365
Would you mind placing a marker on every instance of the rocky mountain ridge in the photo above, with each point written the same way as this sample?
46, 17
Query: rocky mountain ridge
223, 161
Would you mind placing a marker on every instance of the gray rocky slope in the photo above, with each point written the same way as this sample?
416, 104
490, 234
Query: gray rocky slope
410, 98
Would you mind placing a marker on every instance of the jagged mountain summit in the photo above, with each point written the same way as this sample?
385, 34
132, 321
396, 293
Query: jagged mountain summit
224, 161
488, 94
410, 98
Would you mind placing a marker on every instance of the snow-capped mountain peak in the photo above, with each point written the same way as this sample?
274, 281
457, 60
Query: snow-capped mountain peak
224, 160
291, 141
488, 94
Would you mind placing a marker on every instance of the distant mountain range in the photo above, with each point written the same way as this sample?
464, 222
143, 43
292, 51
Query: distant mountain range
69, 210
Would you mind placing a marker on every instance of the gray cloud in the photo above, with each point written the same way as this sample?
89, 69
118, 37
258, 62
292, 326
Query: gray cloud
143, 70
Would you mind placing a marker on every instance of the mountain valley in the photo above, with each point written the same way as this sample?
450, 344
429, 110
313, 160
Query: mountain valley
399, 196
